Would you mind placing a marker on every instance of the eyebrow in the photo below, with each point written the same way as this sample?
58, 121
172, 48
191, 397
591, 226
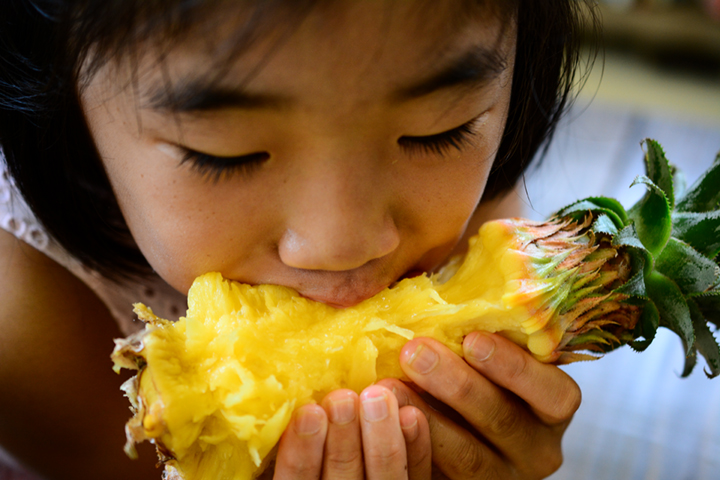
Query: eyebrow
472, 68
198, 96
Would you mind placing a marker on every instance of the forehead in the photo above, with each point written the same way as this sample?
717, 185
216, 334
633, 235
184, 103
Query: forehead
358, 46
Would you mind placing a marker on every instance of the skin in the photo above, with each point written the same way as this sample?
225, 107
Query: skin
338, 211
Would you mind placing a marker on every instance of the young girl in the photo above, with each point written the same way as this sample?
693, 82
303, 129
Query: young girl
330, 146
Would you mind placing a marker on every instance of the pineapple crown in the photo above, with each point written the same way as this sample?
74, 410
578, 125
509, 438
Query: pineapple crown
672, 236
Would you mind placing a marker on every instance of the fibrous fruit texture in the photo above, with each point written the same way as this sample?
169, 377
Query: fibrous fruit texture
216, 389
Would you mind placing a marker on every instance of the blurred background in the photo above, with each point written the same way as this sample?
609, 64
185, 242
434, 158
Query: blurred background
658, 77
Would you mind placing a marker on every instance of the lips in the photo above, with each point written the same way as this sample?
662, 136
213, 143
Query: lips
343, 297
338, 289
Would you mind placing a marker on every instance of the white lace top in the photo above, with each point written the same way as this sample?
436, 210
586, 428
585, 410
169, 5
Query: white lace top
16, 218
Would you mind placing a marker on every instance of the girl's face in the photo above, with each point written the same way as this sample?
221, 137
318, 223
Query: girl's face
334, 157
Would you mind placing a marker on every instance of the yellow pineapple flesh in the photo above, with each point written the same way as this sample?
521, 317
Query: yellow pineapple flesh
217, 388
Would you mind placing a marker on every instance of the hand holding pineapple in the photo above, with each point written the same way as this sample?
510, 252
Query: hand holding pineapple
519, 406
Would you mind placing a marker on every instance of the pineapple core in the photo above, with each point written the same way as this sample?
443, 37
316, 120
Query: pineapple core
217, 388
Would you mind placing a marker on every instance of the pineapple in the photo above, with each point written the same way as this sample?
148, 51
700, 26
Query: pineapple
216, 389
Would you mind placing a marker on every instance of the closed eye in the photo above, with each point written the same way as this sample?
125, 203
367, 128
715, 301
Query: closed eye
216, 168
441, 143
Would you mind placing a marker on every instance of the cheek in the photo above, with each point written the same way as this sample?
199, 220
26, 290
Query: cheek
444, 199
182, 225
196, 230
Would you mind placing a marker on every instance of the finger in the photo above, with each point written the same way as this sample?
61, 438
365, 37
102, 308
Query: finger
503, 419
492, 411
416, 432
456, 452
343, 446
510, 367
383, 442
300, 452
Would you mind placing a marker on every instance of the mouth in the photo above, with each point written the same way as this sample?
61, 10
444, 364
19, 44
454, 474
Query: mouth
351, 293
412, 273
345, 298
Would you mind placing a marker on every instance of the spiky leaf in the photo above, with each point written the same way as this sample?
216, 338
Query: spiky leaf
690, 361
579, 210
659, 170
709, 304
699, 230
628, 237
692, 272
651, 216
603, 224
679, 183
706, 343
635, 286
704, 194
613, 205
673, 309
646, 327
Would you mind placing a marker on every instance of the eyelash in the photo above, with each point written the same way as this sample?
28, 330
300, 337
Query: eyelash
441, 143
216, 168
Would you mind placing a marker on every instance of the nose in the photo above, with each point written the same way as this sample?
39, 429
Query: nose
340, 219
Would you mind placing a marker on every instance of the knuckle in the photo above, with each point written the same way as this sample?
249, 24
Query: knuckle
517, 368
553, 462
573, 400
470, 460
549, 461
415, 461
388, 455
302, 468
567, 403
463, 388
504, 421
343, 462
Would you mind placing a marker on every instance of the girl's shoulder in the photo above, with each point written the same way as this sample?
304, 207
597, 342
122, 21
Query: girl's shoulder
18, 220
55, 372
56, 336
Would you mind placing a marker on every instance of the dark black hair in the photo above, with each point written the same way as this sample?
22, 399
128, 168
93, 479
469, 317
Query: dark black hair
50, 152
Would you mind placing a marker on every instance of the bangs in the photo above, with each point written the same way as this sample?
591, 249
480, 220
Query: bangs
105, 30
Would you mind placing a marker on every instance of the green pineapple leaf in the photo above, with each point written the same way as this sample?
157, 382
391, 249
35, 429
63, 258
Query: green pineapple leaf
579, 210
705, 341
704, 194
692, 272
672, 306
709, 304
651, 217
603, 224
679, 182
690, 361
628, 237
698, 230
613, 205
641, 262
646, 327
659, 170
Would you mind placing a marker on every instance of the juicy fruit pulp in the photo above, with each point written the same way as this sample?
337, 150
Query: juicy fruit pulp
217, 388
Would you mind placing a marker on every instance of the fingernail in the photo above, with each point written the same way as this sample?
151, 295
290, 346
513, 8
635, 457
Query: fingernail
423, 360
308, 422
342, 411
481, 347
374, 405
410, 431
